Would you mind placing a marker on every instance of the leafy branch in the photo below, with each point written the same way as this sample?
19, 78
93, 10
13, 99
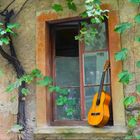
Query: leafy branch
125, 76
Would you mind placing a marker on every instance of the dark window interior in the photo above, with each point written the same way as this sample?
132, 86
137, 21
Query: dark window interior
66, 45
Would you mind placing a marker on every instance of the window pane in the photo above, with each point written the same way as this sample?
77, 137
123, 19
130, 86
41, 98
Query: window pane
67, 71
93, 67
71, 109
99, 41
89, 94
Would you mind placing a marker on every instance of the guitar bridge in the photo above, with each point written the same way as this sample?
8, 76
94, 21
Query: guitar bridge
95, 114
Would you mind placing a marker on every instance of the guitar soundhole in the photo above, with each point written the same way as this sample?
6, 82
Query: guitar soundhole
95, 114
98, 102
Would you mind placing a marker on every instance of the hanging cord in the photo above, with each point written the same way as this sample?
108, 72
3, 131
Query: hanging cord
21, 8
5, 9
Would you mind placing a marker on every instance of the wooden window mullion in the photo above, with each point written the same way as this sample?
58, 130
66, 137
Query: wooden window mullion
82, 94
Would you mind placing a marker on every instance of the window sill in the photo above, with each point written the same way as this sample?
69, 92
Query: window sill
79, 132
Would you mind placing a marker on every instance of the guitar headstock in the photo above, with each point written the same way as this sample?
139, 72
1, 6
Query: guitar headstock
106, 65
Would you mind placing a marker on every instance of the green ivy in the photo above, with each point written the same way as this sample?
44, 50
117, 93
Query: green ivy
4, 39
57, 7
25, 91
132, 122
137, 39
138, 88
125, 77
45, 81
137, 18
138, 64
121, 28
71, 5
130, 100
121, 55
135, 1
62, 100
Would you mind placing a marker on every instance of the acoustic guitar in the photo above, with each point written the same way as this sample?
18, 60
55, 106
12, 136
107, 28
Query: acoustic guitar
99, 114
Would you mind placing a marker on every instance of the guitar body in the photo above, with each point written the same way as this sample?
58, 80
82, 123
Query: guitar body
99, 115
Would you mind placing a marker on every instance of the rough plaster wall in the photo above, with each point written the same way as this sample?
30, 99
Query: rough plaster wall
25, 47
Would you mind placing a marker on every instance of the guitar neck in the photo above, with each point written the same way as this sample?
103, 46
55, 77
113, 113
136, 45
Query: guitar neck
101, 85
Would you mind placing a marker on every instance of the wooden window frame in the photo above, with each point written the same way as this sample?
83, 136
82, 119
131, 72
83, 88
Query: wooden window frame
82, 121
43, 62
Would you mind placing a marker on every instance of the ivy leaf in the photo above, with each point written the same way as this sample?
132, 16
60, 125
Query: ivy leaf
71, 102
132, 137
61, 100
84, 14
134, 1
129, 100
45, 82
132, 122
10, 88
138, 64
71, 5
137, 18
1, 23
13, 25
138, 88
25, 91
4, 40
8, 30
13, 86
36, 73
57, 7
70, 111
64, 91
2, 32
27, 78
125, 77
120, 28
121, 55
97, 2
137, 39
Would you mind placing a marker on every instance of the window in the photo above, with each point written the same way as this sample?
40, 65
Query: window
44, 105
77, 66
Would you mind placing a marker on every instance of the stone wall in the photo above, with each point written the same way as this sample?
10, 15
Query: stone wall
25, 44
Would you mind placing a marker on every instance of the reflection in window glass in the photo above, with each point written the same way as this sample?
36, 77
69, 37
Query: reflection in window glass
99, 41
93, 67
67, 71
71, 109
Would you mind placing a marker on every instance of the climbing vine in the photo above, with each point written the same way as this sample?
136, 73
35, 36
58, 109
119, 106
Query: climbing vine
125, 77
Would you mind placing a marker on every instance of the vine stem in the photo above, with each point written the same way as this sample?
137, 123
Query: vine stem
12, 59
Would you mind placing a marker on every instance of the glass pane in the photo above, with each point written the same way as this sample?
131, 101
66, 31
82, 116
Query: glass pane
93, 67
89, 94
67, 71
70, 110
99, 41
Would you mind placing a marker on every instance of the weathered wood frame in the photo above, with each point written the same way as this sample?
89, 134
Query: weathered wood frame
43, 62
